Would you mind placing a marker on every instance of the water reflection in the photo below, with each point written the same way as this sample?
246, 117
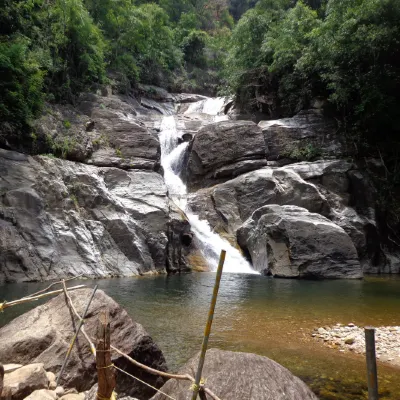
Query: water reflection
267, 316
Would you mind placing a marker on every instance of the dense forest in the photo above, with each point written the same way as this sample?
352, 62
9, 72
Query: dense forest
275, 56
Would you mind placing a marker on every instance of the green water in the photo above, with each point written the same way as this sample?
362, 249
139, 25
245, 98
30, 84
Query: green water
258, 314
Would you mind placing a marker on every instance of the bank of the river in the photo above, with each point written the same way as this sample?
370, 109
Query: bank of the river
352, 338
262, 315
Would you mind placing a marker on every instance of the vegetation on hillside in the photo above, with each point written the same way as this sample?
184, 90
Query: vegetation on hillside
285, 53
276, 56
51, 50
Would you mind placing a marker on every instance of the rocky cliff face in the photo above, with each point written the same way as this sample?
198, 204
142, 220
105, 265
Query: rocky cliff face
233, 182
106, 212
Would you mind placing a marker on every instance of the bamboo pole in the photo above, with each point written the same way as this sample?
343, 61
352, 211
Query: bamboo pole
51, 285
76, 334
6, 304
71, 304
371, 363
105, 370
150, 370
196, 386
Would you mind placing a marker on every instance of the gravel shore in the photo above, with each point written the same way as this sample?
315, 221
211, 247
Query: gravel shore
352, 338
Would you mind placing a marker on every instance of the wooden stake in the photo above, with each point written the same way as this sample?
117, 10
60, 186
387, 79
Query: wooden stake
105, 370
207, 330
371, 363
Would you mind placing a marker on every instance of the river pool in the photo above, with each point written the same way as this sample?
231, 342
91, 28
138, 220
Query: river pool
267, 316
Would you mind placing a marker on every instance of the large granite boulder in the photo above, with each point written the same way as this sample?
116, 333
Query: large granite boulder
353, 206
240, 376
238, 198
291, 242
43, 334
307, 135
59, 218
238, 144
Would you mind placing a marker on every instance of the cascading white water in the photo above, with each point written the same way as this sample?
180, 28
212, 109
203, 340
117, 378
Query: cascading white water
210, 242
210, 106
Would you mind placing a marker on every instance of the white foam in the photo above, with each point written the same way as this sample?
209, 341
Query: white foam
210, 242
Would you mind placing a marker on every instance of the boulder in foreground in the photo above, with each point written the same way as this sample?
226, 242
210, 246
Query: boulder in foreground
240, 376
43, 335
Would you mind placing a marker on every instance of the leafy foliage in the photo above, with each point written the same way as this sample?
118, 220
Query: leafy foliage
285, 53
21, 85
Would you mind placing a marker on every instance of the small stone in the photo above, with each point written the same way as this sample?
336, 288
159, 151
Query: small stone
52, 385
349, 340
322, 331
314, 334
351, 325
59, 391
50, 376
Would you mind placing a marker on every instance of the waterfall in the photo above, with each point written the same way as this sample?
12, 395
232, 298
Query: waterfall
210, 106
210, 242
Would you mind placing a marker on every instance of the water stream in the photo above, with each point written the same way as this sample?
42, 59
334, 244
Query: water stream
172, 153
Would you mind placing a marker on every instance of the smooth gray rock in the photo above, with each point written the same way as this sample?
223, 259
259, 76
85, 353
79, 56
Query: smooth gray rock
238, 198
119, 138
352, 201
220, 144
240, 376
59, 218
307, 134
291, 242
43, 334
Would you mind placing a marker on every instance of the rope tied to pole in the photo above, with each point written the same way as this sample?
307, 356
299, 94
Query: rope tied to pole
107, 366
113, 397
195, 387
